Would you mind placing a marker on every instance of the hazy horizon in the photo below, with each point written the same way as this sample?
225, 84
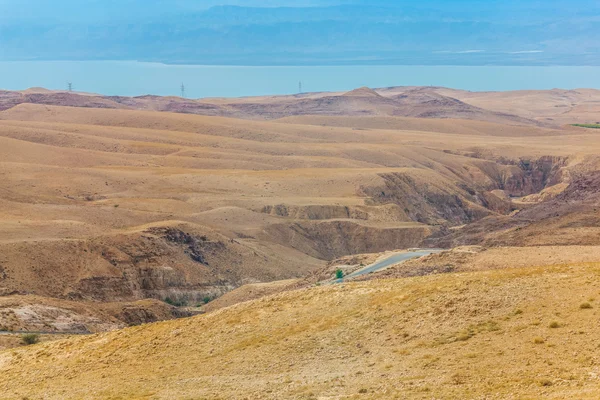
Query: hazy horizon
310, 32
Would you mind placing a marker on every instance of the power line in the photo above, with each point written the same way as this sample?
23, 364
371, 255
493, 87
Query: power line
182, 90
300, 87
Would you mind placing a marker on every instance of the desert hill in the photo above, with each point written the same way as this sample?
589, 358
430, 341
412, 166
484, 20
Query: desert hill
425, 103
103, 202
526, 108
553, 106
509, 333
362, 92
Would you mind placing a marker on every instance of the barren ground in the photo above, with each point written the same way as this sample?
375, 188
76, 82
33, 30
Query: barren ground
120, 211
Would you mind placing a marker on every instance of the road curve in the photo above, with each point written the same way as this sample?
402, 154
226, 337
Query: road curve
391, 260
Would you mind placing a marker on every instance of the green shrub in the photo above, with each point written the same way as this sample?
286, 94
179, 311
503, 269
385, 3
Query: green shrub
207, 300
339, 274
176, 303
30, 338
169, 301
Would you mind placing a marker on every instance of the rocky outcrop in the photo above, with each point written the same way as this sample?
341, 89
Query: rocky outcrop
426, 203
561, 220
328, 240
532, 176
177, 263
315, 212
481, 189
525, 176
39, 314
373, 212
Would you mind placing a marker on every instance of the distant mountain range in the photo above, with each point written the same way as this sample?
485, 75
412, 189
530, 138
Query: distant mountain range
461, 32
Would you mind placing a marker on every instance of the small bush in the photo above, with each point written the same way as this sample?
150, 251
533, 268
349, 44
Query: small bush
30, 338
585, 306
538, 340
554, 325
339, 274
363, 391
207, 300
458, 379
545, 382
176, 303
169, 301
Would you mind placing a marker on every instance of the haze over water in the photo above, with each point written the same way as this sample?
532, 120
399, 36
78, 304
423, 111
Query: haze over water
138, 78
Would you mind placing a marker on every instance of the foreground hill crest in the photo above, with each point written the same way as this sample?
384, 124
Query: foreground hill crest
491, 333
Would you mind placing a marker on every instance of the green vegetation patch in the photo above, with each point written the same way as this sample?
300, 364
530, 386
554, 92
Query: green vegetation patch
30, 338
592, 126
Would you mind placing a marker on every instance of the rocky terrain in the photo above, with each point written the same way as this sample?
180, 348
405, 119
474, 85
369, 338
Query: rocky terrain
113, 214
118, 212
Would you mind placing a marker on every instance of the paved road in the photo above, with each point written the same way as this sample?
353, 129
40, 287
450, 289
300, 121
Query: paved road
394, 259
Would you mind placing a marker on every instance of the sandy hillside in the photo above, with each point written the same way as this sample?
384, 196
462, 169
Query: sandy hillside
526, 333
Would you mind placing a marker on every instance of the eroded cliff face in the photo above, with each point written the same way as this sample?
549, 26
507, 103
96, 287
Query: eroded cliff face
315, 212
328, 240
184, 266
481, 189
159, 263
425, 202
530, 176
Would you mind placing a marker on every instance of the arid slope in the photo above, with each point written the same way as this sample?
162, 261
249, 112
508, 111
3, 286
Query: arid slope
527, 333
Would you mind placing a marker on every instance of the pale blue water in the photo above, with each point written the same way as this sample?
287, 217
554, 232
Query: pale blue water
133, 78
